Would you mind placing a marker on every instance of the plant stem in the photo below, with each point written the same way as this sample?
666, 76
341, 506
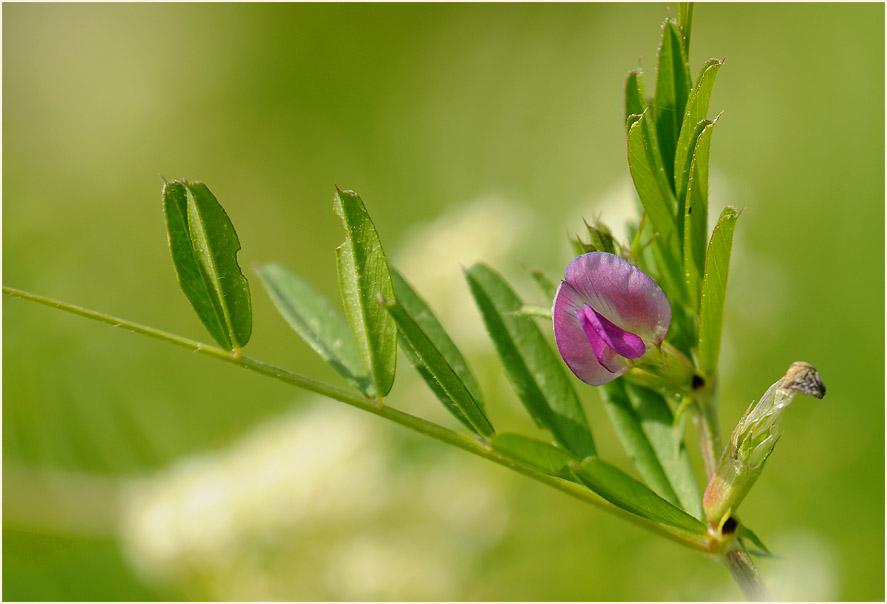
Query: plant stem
472, 444
746, 575
706, 418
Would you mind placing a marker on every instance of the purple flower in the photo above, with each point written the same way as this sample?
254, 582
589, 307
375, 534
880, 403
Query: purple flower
606, 312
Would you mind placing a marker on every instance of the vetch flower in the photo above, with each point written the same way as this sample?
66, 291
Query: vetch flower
606, 313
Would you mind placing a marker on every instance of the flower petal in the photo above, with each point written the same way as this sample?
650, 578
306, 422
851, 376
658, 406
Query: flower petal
597, 339
621, 293
574, 345
605, 337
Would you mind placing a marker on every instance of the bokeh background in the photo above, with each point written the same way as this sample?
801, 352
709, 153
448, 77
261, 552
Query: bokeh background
135, 470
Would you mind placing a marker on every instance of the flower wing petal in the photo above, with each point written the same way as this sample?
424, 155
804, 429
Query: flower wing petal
621, 293
603, 335
573, 342
597, 339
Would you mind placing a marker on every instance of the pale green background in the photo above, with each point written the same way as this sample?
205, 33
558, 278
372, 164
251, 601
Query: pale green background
423, 109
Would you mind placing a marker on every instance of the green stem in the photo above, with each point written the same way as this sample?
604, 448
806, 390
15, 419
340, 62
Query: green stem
746, 575
709, 435
475, 445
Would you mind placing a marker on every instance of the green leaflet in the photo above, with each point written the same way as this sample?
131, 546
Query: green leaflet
697, 110
682, 333
696, 213
317, 322
546, 284
685, 20
618, 488
422, 316
364, 278
714, 290
685, 173
657, 424
652, 185
743, 532
634, 95
672, 90
644, 424
534, 453
655, 260
660, 207
535, 372
672, 281
463, 405
628, 429
665, 269
204, 246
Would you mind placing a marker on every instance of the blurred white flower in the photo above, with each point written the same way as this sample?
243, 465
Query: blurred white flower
805, 570
290, 475
312, 505
382, 568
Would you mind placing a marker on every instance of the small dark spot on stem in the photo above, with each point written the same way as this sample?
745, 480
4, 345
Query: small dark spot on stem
730, 526
690, 210
697, 382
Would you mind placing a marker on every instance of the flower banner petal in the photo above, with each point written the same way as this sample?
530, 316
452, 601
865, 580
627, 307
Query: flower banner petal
621, 293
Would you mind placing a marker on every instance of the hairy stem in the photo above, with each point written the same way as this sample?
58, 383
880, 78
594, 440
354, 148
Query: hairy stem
472, 444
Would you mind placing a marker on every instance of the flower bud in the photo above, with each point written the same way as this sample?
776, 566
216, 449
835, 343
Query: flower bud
753, 441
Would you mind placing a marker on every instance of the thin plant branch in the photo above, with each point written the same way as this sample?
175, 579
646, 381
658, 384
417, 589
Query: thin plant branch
472, 444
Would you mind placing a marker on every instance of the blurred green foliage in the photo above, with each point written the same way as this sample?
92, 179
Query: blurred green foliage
422, 109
